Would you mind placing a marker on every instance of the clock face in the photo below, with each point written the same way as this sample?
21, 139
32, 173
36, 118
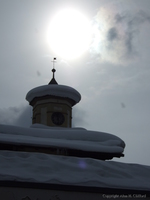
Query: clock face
58, 118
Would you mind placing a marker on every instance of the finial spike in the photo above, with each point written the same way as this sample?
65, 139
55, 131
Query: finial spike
53, 81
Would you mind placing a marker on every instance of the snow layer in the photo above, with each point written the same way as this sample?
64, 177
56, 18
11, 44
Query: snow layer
79, 138
55, 90
44, 168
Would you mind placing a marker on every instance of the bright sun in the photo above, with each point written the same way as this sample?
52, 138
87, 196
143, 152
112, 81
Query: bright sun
69, 34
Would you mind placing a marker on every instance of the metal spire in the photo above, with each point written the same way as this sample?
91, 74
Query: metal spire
53, 81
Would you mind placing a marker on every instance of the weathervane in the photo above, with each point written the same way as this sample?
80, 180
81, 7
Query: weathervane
54, 70
53, 81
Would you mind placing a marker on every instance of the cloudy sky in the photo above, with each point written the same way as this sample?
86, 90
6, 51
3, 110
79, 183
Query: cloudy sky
108, 65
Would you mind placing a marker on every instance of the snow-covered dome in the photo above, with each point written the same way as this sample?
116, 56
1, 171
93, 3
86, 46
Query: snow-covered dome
54, 90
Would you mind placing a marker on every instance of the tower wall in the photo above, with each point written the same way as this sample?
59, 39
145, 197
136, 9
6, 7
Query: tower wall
44, 109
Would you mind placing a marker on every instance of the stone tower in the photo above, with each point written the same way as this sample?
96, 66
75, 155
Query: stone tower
52, 104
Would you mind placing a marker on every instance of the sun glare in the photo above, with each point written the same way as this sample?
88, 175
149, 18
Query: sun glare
69, 34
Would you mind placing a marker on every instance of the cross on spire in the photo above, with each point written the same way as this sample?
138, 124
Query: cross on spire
53, 81
54, 70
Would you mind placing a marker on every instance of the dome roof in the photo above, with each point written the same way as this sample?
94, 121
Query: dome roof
54, 90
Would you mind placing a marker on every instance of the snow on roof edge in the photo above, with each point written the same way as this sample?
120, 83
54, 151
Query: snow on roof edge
67, 138
55, 90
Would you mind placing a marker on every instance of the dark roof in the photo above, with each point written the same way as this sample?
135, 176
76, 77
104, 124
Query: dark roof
75, 188
62, 151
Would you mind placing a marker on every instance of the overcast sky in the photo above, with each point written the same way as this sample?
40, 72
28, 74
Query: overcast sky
112, 75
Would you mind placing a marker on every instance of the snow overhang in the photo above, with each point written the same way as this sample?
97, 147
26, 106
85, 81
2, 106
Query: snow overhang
54, 90
77, 141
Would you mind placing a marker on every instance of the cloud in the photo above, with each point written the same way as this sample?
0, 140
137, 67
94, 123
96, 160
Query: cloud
19, 116
112, 34
116, 35
24, 119
7, 116
22, 116
133, 23
78, 117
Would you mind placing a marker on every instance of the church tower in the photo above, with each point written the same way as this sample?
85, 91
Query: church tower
52, 104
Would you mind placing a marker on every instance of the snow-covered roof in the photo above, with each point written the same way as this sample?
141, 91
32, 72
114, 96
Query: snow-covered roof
54, 90
72, 138
66, 170
44, 168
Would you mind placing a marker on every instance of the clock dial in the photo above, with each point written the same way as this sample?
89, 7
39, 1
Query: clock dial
58, 118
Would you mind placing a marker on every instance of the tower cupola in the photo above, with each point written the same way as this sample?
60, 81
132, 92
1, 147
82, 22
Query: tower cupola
52, 104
